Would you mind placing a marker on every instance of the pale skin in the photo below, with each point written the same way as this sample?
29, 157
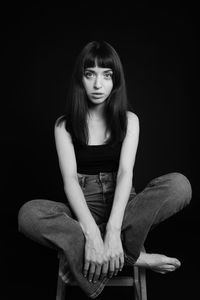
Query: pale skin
103, 257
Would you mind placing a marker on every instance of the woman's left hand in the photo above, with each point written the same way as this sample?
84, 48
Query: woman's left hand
113, 251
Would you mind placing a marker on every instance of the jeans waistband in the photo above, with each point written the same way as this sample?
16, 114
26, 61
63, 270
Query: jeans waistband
100, 176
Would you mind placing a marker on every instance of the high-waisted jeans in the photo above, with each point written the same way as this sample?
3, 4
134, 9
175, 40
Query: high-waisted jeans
53, 223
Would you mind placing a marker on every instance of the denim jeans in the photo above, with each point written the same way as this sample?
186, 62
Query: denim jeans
53, 223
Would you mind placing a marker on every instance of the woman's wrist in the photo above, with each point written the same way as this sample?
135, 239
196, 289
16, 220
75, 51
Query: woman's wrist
90, 230
113, 227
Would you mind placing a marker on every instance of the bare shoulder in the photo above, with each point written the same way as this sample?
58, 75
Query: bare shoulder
60, 130
133, 120
60, 121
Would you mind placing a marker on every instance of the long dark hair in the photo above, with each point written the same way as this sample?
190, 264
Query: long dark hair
116, 105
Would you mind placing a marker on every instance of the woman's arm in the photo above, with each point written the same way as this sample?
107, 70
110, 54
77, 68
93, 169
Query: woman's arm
125, 172
112, 240
68, 167
94, 247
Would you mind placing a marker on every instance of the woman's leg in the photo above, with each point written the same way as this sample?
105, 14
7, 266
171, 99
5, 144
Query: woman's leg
36, 218
51, 224
162, 197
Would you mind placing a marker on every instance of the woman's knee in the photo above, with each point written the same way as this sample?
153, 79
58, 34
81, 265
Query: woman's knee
27, 215
180, 187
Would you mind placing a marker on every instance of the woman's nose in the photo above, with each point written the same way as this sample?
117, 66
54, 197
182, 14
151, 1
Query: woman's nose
97, 82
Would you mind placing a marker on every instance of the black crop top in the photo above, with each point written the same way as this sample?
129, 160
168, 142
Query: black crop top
93, 159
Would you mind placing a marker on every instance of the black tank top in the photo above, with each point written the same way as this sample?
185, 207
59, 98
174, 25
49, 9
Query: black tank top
93, 159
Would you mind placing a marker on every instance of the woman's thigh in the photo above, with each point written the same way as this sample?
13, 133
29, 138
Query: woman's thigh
161, 198
42, 208
37, 216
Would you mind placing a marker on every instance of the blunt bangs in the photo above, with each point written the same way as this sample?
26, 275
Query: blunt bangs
97, 60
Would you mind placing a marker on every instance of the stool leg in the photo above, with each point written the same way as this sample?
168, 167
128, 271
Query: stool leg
136, 283
143, 284
61, 286
140, 291
60, 293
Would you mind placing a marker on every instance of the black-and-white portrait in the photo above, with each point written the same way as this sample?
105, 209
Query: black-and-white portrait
100, 143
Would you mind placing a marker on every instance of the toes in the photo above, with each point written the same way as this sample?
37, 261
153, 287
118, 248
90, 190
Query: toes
169, 268
165, 268
63, 269
175, 262
65, 277
171, 261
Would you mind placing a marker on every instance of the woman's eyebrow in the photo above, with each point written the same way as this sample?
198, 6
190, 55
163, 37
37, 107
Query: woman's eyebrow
108, 70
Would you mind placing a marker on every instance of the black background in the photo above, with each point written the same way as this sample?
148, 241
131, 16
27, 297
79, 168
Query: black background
157, 44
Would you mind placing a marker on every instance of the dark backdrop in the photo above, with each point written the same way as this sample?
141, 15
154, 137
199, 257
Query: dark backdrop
158, 48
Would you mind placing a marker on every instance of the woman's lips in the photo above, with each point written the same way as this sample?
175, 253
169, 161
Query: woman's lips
97, 95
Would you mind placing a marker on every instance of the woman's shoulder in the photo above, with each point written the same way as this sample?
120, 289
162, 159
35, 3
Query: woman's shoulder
60, 129
132, 117
132, 122
60, 121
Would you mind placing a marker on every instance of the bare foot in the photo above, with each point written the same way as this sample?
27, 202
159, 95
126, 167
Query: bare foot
158, 262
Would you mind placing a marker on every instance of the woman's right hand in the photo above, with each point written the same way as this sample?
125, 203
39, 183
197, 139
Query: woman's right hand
94, 256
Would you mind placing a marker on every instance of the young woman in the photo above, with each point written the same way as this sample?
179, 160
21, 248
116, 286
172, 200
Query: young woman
104, 223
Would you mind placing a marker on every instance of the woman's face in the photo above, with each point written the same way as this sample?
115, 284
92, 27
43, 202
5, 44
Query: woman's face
98, 83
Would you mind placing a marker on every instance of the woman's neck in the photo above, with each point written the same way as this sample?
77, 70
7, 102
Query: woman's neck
96, 113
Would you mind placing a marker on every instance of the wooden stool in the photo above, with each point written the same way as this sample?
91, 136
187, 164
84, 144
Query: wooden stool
135, 279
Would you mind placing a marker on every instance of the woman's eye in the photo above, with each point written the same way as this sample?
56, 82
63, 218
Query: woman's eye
108, 75
88, 74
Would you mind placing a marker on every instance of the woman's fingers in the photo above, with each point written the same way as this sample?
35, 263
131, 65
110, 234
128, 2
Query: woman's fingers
121, 262
97, 273
116, 266
91, 271
111, 267
86, 268
104, 270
